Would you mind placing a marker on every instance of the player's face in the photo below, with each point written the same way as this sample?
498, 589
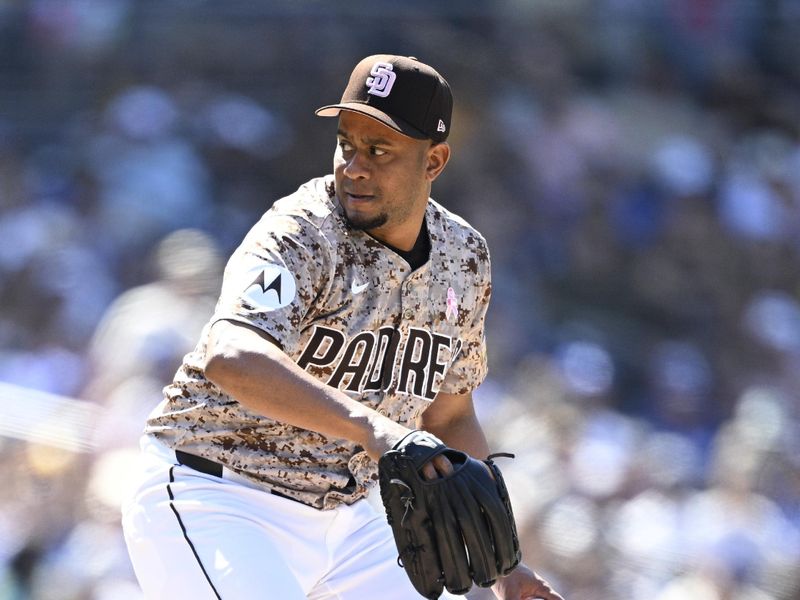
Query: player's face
383, 178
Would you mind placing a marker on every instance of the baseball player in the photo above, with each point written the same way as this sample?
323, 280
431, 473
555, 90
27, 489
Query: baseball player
351, 314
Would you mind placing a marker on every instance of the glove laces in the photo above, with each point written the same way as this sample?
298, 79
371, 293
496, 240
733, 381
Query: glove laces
407, 498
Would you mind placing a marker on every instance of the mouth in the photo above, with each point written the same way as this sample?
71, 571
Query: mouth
358, 198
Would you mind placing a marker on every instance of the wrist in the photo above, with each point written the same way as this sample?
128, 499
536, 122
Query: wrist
382, 435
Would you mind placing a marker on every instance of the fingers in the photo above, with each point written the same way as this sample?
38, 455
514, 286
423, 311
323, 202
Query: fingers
545, 596
545, 591
524, 584
438, 466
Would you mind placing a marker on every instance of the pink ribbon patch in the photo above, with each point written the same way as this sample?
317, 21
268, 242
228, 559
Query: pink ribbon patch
452, 305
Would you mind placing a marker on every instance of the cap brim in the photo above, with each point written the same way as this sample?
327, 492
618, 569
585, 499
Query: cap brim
333, 110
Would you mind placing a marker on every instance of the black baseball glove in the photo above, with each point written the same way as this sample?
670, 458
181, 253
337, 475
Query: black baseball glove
451, 531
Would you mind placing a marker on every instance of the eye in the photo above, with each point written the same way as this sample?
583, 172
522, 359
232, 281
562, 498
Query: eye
377, 151
345, 146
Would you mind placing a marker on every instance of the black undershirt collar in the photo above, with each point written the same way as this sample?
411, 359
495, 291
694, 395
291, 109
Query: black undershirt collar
419, 254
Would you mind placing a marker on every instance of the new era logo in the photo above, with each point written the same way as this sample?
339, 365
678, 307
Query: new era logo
441, 126
382, 79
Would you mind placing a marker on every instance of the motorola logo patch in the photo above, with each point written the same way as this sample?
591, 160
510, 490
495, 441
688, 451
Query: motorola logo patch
270, 287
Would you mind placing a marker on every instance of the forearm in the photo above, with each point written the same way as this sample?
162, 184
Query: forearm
462, 432
263, 378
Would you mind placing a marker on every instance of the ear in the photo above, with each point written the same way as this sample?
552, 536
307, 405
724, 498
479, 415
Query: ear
437, 157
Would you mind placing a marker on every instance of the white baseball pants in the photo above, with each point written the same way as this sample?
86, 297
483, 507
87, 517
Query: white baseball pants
192, 535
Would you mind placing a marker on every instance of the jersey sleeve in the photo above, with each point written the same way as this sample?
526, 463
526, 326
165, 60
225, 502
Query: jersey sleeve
274, 277
470, 364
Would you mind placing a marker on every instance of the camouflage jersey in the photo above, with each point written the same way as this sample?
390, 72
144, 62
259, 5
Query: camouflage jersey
349, 311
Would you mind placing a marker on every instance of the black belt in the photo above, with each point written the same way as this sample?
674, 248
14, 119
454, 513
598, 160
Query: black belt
209, 467
198, 463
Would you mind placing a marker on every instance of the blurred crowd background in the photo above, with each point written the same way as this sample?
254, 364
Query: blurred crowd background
634, 164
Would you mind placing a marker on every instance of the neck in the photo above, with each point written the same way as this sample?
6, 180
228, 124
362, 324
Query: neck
403, 239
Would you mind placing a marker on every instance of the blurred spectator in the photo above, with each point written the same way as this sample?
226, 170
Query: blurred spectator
148, 328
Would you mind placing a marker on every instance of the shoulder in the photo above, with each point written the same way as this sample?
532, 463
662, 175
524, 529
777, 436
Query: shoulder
312, 202
309, 213
453, 231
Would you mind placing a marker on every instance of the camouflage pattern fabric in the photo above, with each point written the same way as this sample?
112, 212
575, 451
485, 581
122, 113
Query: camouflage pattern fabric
352, 313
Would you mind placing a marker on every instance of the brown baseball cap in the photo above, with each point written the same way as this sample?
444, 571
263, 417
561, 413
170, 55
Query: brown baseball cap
401, 92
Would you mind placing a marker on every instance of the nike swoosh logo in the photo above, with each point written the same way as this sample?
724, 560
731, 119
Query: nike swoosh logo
356, 288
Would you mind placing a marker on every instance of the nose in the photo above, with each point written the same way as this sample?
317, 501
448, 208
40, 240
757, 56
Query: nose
357, 167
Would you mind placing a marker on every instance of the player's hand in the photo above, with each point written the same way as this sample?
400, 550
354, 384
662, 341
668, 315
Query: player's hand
438, 466
524, 584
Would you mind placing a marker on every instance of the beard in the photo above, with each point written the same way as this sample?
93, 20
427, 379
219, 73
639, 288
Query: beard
359, 223
366, 223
